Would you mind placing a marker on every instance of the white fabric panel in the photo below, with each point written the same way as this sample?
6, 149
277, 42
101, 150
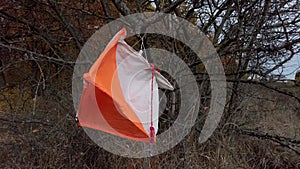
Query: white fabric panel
135, 77
163, 82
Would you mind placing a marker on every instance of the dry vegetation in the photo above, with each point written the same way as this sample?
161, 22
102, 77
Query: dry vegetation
50, 138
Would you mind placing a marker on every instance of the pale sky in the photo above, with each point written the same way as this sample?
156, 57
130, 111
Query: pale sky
291, 67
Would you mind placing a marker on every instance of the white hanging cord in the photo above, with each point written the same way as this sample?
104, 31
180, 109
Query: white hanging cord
143, 49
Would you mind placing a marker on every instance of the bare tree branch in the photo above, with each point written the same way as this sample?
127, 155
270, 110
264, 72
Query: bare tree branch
283, 141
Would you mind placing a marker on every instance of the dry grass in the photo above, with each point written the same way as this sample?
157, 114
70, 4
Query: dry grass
51, 139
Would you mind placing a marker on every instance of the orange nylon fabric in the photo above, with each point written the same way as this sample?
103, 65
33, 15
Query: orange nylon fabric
91, 117
98, 109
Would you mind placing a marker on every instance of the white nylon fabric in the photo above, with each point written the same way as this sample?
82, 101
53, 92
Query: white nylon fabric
135, 76
163, 82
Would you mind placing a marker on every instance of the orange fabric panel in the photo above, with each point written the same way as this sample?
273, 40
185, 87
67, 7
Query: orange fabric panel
89, 113
94, 69
115, 115
111, 121
106, 79
116, 120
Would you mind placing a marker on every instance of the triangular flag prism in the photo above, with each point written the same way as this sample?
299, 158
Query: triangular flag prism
120, 93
